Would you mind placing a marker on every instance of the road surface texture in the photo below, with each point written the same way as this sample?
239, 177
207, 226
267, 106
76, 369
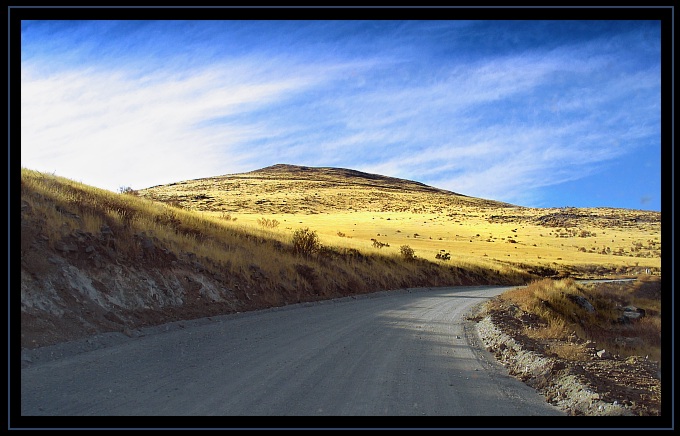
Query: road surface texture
396, 353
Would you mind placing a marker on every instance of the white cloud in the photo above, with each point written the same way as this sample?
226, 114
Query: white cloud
112, 130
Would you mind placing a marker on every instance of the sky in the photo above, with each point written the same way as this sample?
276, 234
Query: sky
532, 113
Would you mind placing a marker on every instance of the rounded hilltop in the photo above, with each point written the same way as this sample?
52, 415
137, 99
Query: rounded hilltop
285, 188
342, 175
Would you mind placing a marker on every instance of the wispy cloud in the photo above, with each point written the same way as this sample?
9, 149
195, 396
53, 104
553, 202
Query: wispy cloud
115, 129
406, 99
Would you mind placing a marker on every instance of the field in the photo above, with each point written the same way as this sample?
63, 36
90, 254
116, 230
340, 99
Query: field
373, 213
227, 244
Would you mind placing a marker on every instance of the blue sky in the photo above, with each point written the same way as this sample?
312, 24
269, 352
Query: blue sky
534, 113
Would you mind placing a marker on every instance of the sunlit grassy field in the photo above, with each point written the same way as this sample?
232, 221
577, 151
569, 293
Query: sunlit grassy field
259, 263
472, 238
355, 210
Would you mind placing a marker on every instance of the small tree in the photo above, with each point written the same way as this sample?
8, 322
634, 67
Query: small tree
305, 242
407, 252
127, 190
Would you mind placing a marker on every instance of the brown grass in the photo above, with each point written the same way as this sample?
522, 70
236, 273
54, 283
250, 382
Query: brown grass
350, 210
561, 315
246, 255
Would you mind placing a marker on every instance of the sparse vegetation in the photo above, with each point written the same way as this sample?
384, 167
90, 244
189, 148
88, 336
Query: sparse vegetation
305, 242
268, 223
593, 313
407, 253
194, 225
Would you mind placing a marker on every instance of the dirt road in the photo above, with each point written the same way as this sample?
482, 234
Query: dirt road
397, 353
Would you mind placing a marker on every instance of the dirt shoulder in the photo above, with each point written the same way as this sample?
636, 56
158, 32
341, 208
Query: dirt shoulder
594, 385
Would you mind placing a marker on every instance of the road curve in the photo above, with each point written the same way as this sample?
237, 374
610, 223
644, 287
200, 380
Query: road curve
396, 353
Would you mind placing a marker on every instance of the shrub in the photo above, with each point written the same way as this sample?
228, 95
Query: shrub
443, 256
378, 244
267, 223
305, 242
168, 218
127, 190
407, 252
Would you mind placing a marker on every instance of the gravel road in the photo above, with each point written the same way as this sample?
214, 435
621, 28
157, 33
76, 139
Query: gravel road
396, 353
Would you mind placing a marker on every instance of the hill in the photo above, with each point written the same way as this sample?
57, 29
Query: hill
299, 189
93, 261
361, 211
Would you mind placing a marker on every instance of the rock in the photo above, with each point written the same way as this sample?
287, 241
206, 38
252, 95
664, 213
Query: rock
65, 247
581, 301
147, 244
603, 354
632, 312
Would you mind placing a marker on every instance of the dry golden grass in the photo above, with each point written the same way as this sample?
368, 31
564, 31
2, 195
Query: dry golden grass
247, 253
353, 210
252, 250
560, 315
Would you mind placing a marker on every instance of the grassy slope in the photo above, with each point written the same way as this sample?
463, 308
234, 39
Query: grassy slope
143, 253
351, 209
558, 315
111, 261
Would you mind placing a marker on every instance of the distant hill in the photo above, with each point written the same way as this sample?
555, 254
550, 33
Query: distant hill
342, 176
286, 188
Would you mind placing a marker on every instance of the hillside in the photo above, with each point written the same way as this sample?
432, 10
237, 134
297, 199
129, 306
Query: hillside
93, 261
291, 189
361, 211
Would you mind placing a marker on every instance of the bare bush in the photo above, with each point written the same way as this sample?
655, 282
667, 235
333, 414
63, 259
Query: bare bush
443, 256
378, 244
305, 242
407, 252
127, 190
268, 223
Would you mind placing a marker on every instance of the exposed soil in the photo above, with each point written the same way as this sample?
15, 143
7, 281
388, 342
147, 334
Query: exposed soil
590, 384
